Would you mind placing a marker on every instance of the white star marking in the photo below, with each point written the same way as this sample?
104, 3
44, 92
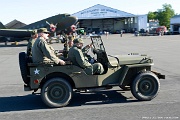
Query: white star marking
36, 71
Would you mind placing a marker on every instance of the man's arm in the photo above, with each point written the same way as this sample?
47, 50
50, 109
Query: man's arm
49, 53
81, 59
86, 48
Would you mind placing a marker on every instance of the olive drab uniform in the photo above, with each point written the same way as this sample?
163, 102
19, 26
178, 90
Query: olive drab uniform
77, 58
31, 43
43, 53
29, 46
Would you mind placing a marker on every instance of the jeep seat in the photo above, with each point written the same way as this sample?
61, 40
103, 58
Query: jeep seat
113, 61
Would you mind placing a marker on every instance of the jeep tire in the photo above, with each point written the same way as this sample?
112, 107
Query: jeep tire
56, 92
146, 86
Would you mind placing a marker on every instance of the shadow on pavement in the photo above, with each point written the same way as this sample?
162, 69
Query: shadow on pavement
20, 103
102, 97
34, 102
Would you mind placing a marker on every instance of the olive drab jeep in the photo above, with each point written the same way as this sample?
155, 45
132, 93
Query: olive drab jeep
57, 83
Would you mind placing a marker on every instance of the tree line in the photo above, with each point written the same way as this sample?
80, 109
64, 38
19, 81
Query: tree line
162, 15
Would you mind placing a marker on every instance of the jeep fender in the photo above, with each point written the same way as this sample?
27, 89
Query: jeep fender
133, 70
57, 74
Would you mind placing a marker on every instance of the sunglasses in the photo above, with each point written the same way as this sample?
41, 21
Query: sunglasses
46, 32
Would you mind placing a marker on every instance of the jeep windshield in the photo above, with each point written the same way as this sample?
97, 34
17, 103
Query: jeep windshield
97, 43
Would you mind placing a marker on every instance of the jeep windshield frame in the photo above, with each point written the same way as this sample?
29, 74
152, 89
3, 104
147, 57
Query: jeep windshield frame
97, 43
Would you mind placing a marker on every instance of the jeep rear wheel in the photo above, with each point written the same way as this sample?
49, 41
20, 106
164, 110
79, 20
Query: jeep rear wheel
145, 86
56, 92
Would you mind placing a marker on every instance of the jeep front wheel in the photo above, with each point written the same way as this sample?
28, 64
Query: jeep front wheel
145, 86
56, 92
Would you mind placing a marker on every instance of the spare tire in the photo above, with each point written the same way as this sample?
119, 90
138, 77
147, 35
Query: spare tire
23, 67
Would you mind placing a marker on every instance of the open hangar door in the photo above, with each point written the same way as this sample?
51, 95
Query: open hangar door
111, 25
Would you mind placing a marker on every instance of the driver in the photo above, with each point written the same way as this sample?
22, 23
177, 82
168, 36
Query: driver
77, 57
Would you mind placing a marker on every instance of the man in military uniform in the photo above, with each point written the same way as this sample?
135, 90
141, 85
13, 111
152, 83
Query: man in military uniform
67, 46
78, 58
30, 44
70, 42
42, 52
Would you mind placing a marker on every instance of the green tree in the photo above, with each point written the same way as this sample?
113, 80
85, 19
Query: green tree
163, 15
152, 15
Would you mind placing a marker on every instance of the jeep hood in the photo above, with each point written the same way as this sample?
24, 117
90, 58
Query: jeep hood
129, 59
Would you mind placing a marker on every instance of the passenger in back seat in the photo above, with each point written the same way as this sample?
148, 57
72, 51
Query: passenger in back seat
42, 52
31, 41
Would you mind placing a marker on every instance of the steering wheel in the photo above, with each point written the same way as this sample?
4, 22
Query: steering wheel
86, 48
94, 51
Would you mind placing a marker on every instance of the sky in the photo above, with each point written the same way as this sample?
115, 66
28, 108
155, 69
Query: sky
29, 11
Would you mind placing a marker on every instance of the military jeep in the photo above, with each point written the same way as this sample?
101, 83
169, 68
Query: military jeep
57, 83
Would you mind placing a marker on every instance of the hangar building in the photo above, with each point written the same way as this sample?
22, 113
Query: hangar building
175, 24
102, 18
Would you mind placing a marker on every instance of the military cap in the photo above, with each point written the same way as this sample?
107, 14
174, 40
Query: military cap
34, 32
78, 40
43, 30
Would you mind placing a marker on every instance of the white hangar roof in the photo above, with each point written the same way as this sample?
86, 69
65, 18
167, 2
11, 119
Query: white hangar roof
100, 11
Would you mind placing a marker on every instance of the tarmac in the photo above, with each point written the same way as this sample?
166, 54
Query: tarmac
113, 104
